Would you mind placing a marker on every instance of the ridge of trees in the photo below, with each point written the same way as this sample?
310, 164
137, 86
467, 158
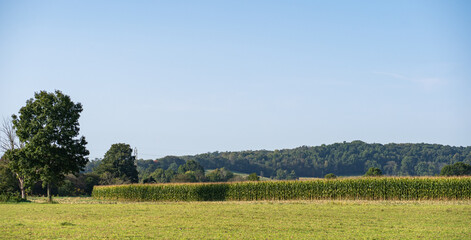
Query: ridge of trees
171, 169
342, 159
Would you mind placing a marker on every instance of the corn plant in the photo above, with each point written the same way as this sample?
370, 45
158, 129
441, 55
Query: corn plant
374, 188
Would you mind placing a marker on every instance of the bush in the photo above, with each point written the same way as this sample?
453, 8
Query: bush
237, 178
67, 188
457, 169
10, 197
330, 176
373, 172
185, 177
8, 181
253, 177
91, 179
219, 175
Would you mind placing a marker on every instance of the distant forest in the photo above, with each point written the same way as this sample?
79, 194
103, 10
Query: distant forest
342, 159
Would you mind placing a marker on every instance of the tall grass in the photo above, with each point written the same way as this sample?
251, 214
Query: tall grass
376, 188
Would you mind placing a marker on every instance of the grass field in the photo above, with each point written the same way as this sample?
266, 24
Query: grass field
85, 218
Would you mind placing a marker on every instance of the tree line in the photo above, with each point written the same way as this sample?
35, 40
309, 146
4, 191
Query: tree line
342, 159
119, 166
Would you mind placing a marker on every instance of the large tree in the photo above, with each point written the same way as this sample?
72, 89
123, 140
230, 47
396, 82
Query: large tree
49, 127
118, 165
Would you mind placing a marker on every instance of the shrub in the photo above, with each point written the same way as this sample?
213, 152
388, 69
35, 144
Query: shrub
66, 189
457, 169
253, 177
10, 197
330, 176
219, 175
373, 172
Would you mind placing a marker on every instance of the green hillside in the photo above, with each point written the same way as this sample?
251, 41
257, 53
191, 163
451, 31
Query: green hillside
344, 159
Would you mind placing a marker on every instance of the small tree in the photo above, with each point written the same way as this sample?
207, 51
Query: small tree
25, 169
253, 177
190, 165
457, 169
14, 160
292, 175
195, 168
48, 126
118, 165
281, 174
330, 176
373, 172
219, 175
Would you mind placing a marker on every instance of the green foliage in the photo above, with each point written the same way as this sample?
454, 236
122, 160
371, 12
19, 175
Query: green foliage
161, 176
373, 172
73, 185
48, 125
118, 165
78, 185
371, 164
379, 188
239, 178
67, 188
347, 158
187, 177
425, 169
25, 169
147, 167
192, 170
330, 176
283, 175
457, 169
190, 165
91, 179
292, 175
8, 181
9, 197
92, 165
407, 165
253, 177
219, 175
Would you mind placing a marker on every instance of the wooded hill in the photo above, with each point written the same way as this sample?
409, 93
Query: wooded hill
343, 159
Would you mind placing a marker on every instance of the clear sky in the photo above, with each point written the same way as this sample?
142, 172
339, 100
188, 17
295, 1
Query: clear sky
187, 77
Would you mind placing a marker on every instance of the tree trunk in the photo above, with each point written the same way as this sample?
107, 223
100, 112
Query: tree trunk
49, 197
22, 187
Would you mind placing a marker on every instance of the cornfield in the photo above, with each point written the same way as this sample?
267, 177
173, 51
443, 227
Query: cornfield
382, 188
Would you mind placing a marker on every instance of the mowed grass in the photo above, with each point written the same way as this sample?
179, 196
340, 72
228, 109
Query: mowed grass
89, 219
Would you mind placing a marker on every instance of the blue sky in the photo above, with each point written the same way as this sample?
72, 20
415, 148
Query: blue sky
187, 77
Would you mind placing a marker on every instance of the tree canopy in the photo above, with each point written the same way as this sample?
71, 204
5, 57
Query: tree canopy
48, 126
373, 172
457, 169
118, 165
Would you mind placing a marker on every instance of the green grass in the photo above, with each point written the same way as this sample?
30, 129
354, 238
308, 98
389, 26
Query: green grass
85, 218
